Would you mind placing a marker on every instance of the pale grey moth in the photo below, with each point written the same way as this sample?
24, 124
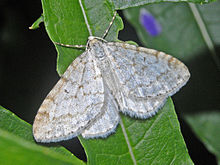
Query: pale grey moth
108, 78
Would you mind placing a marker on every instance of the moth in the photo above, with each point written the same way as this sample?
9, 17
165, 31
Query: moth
108, 78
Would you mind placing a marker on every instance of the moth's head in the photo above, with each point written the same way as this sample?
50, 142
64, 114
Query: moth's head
95, 46
93, 41
91, 38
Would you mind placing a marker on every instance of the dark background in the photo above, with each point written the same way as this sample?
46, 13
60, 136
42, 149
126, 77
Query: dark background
28, 73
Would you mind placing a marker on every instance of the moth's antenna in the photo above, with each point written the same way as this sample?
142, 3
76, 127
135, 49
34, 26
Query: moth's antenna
70, 46
84, 15
110, 24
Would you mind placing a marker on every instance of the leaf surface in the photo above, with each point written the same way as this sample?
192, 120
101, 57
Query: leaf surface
206, 126
17, 144
157, 140
152, 141
121, 4
187, 29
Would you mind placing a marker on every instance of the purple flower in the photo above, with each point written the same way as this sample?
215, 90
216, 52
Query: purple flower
150, 24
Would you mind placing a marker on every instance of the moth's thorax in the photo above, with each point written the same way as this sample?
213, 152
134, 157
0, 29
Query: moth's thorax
96, 46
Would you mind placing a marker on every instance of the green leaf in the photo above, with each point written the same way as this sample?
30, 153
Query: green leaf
15, 131
206, 126
65, 24
121, 4
157, 140
15, 150
181, 34
36, 24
